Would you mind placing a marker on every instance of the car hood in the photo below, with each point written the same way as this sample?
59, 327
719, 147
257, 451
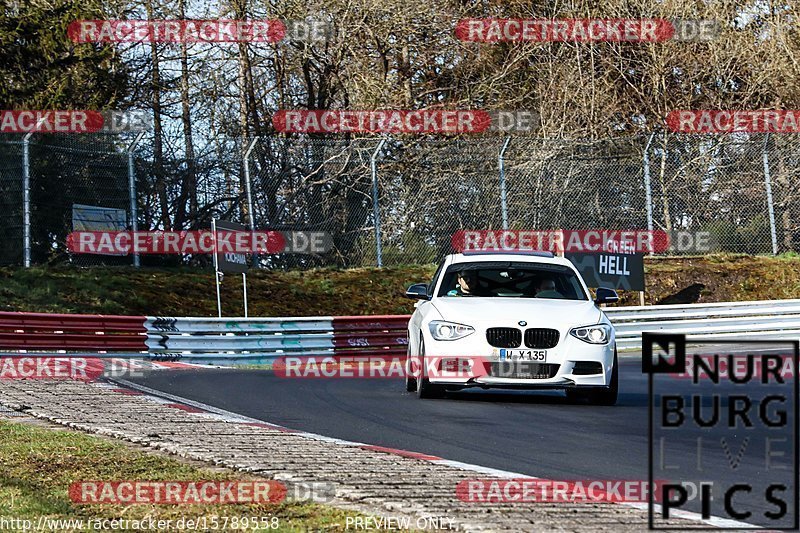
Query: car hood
508, 312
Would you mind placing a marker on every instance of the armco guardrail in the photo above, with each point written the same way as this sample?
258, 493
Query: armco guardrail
234, 338
266, 337
776, 319
199, 338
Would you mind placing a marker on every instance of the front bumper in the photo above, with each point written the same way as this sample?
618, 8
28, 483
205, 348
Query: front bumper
566, 354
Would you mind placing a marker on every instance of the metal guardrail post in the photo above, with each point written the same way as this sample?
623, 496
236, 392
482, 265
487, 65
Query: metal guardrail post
132, 192
647, 188
770, 205
503, 195
216, 267
26, 201
26, 194
376, 209
248, 190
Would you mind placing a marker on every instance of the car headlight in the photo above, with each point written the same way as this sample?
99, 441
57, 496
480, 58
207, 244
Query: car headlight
597, 334
449, 331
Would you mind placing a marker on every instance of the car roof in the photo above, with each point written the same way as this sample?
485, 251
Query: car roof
483, 257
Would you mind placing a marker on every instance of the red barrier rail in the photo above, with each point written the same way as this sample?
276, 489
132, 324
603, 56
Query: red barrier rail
42, 331
383, 335
47, 322
370, 322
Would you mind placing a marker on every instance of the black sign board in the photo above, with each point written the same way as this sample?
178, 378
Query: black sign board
613, 270
231, 262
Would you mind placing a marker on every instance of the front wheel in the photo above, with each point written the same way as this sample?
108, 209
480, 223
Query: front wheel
608, 396
425, 389
411, 382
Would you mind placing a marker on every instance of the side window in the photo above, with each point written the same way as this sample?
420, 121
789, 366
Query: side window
435, 279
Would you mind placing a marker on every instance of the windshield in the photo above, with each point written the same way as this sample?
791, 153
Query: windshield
511, 280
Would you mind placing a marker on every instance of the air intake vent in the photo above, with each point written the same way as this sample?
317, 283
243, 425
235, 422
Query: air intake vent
587, 368
504, 337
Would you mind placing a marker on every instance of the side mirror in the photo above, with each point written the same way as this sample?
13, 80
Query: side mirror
604, 295
418, 291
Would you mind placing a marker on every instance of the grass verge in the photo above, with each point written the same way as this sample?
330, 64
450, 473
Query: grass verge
37, 466
357, 291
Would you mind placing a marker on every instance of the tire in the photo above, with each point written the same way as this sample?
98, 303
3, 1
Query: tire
426, 390
609, 395
606, 396
411, 383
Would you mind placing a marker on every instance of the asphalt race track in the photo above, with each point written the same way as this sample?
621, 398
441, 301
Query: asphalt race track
534, 433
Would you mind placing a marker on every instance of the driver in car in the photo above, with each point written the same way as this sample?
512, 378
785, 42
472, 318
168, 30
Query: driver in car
547, 289
466, 283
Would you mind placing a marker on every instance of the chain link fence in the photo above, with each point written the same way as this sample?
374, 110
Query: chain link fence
394, 200
56, 173
11, 185
718, 184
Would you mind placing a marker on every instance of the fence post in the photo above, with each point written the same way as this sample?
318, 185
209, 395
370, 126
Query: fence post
26, 201
132, 192
251, 216
376, 210
503, 196
647, 188
770, 205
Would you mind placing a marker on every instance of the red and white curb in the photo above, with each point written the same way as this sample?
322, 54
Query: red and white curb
209, 411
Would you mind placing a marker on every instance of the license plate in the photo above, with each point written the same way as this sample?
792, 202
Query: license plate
540, 356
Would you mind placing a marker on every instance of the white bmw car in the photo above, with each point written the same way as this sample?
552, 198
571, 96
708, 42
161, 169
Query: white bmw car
514, 321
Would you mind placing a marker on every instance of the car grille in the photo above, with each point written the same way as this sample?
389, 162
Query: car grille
504, 337
587, 368
523, 370
541, 338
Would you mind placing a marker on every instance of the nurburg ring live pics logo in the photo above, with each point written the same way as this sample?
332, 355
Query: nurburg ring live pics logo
724, 442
